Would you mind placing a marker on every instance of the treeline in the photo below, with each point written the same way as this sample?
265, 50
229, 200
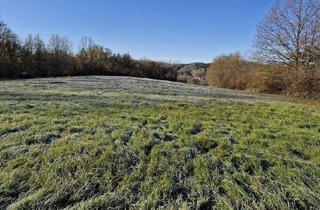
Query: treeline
33, 57
235, 72
287, 56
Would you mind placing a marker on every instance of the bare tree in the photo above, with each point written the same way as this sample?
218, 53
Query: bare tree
27, 55
60, 45
60, 49
9, 52
40, 55
33, 56
86, 43
92, 56
86, 54
290, 33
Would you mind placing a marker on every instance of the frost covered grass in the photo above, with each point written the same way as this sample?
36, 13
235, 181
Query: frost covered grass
125, 143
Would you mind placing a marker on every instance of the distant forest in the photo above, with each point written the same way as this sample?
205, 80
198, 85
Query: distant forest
32, 57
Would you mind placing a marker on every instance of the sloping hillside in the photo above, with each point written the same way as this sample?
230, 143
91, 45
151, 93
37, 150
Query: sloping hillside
129, 143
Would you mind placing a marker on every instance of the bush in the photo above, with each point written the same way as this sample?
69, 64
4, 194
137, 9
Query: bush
231, 71
272, 79
281, 79
307, 84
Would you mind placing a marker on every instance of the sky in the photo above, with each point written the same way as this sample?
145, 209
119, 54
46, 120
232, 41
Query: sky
181, 31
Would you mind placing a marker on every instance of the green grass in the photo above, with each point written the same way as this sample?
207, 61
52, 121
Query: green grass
92, 143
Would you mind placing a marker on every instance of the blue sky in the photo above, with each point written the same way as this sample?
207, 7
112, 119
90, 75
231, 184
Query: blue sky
175, 30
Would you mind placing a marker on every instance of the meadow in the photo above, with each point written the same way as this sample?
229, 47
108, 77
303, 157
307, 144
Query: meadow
129, 143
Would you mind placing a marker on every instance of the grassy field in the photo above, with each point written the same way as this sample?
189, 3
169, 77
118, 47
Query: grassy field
128, 143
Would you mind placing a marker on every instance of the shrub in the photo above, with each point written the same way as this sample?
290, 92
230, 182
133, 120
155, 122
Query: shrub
272, 79
307, 84
284, 80
231, 71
